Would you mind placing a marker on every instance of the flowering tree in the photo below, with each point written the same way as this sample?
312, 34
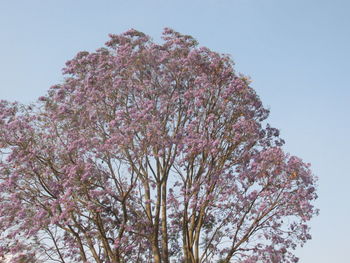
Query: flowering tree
149, 153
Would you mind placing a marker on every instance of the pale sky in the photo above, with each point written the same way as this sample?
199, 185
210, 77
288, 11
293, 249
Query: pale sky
297, 53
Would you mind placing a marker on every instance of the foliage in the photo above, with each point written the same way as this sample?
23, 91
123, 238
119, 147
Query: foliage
150, 153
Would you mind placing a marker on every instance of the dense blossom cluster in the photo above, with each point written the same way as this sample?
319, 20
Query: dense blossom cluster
149, 153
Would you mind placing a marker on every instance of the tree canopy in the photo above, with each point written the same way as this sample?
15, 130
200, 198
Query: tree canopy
150, 152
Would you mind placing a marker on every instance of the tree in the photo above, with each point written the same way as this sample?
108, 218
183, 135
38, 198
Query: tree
150, 153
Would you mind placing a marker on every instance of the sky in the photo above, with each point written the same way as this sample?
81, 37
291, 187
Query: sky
296, 52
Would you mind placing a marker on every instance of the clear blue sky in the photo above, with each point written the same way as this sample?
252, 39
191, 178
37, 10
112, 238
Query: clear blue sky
297, 53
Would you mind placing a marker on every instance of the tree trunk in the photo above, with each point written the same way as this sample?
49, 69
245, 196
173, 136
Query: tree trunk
165, 250
155, 250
